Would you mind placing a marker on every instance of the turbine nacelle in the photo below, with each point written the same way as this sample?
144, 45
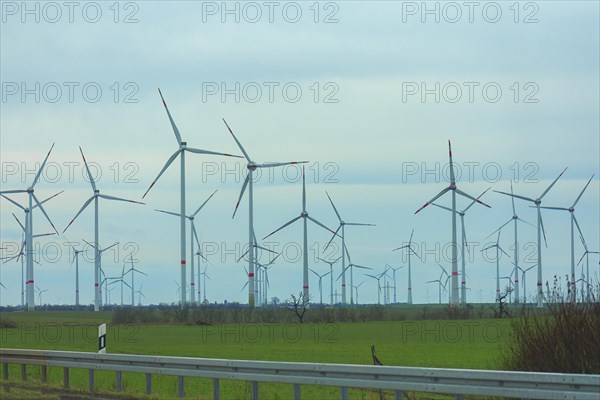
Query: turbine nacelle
183, 145
252, 166
452, 186
304, 214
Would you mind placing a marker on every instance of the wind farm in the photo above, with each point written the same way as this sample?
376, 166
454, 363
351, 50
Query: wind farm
363, 201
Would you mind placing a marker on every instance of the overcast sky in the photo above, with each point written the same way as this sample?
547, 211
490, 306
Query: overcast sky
368, 92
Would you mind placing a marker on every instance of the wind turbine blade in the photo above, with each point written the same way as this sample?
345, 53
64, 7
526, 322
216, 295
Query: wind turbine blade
320, 224
528, 223
140, 272
264, 248
555, 208
415, 253
241, 194
91, 245
19, 222
358, 224
582, 257
39, 173
497, 230
543, 230
273, 260
107, 197
285, 225
175, 130
43, 234
49, 198
440, 194
327, 273
279, 164
475, 201
89, 174
347, 254
468, 196
237, 141
515, 196
581, 194
109, 247
444, 207
502, 250
400, 248
552, 184
512, 199
195, 234
243, 255
14, 202
44, 212
579, 229
244, 287
332, 237
332, 205
303, 190
203, 204
452, 177
215, 153
162, 171
314, 272
360, 266
168, 212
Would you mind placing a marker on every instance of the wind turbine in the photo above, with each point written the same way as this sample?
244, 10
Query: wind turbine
97, 259
21, 254
331, 275
343, 235
193, 235
40, 292
304, 215
444, 272
586, 254
320, 283
29, 284
140, 294
183, 147
410, 250
199, 270
76, 260
122, 281
464, 244
540, 230
523, 275
356, 288
454, 189
252, 250
439, 289
571, 210
265, 268
515, 218
378, 279
133, 270
178, 288
248, 182
350, 265
394, 278
205, 275
498, 250
98, 251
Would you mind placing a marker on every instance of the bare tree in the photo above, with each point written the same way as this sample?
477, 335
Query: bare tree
298, 305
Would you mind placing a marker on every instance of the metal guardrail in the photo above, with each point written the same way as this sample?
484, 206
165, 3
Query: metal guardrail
456, 382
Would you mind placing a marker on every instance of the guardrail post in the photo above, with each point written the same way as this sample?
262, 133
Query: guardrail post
459, 397
297, 395
180, 388
216, 389
66, 377
91, 379
44, 374
5, 376
399, 394
148, 384
254, 390
343, 393
119, 381
23, 372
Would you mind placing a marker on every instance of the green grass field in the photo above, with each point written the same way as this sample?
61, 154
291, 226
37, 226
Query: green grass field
475, 343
